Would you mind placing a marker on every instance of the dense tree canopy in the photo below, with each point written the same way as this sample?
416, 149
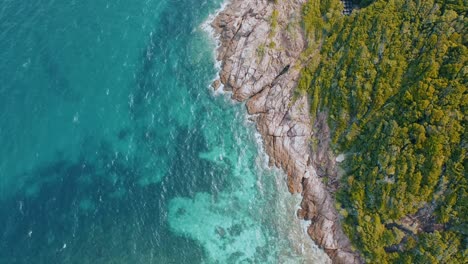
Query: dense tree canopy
392, 77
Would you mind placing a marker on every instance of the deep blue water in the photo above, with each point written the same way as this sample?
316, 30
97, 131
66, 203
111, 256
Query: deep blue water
114, 150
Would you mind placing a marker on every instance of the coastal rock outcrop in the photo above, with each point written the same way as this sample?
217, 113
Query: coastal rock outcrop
260, 45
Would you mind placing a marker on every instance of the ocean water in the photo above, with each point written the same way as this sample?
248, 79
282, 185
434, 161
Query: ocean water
114, 149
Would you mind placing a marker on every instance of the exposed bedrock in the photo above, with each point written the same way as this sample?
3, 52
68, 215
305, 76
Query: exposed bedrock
260, 64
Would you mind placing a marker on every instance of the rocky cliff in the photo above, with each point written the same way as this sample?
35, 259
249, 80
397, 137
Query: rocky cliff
260, 45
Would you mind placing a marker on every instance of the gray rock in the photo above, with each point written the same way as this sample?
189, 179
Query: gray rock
216, 84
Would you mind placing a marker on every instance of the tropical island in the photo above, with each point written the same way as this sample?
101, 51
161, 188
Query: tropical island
365, 109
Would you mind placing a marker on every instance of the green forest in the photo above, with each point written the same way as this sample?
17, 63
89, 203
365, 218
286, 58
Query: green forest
392, 77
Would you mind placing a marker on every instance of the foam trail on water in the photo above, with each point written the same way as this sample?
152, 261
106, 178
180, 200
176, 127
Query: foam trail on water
206, 26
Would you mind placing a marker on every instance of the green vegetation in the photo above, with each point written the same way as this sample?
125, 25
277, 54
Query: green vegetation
261, 51
393, 78
273, 23
272, 45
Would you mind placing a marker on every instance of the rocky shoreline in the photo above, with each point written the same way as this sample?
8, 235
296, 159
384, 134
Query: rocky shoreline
260, 45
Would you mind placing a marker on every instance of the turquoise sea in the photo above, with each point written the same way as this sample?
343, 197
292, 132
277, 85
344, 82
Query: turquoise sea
113, 149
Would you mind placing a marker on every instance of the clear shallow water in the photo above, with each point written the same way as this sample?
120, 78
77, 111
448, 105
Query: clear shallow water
115, 151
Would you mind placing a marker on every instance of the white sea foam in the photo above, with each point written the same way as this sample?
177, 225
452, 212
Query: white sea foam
206, 26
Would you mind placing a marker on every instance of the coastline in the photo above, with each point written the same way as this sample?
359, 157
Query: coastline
296, 228
260, 65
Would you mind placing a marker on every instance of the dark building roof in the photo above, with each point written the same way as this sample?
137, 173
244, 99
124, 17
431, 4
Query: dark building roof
348, 7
